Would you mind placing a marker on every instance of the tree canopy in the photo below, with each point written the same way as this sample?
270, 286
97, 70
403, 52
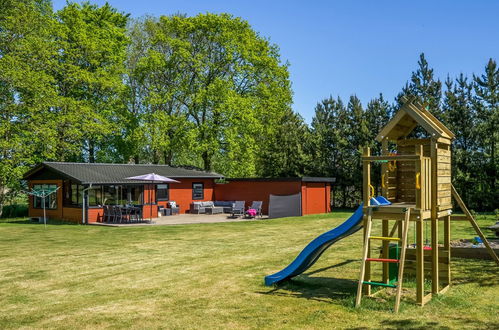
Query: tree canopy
88, 83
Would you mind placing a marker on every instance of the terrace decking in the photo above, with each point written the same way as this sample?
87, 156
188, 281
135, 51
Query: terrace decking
182, 219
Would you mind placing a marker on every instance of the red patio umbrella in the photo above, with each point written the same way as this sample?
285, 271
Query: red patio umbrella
153, 178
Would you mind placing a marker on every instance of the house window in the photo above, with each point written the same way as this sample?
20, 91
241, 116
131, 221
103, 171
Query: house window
94, 196
110, 195
131, 195
197, 190
50, 201
162, 192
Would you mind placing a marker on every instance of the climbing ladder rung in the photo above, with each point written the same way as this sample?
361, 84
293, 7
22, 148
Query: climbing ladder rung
379, 284
383, 260
385, 238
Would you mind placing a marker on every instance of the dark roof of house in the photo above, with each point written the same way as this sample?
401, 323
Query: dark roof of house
99, 173
302, 179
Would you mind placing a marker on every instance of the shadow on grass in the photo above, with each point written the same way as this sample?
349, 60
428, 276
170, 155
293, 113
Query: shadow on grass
411, 324
324, 289
346, 262
465, 271
331, 290
420, 325
29, 222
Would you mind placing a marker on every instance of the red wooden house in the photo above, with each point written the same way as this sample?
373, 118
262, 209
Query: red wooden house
105, 184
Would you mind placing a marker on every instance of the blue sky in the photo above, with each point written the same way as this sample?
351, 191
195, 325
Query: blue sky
355, 47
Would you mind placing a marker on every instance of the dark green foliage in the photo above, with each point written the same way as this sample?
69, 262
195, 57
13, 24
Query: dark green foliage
86, 84
486, 102
285, 154
15, 211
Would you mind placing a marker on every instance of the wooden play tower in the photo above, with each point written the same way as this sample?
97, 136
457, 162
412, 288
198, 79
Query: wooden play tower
416, 179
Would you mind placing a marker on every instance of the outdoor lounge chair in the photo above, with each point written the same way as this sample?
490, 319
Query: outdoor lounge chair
255, 205
174, 207
238, 209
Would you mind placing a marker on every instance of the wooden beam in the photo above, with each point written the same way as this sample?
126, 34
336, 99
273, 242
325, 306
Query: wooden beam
385, 223
406, 142
367, 220
435, 120
402, 259
391, 124
419, 263
435, 285
424, 121
391, 158
365, 254
474, 224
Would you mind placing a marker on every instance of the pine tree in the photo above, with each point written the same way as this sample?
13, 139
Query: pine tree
378, 113
425, 89
358, 137
285, 155
461, 120
330, 152
487, 104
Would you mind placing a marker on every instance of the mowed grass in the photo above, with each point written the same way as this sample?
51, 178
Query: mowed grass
211, 276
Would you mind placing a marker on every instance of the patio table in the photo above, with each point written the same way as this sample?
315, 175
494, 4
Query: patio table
214, 210
132, 211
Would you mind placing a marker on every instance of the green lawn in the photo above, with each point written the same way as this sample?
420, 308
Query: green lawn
211, 276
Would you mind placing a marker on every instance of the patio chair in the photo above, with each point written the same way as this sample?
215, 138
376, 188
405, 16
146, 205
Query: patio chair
137, 214
256, 205
109, 214
118, 214
106, 217
238, 209
126, 214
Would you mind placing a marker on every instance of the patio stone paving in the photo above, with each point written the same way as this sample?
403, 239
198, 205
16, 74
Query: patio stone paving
183, 219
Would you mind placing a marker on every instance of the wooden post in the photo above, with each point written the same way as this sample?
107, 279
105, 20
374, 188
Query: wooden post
366, 167
402, 258
447, 248
419, 262
385, 223
435, 275
365, 255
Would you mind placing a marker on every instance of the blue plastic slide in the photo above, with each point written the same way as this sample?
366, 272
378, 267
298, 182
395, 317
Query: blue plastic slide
314, 249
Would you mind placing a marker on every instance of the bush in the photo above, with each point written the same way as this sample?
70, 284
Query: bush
15, 211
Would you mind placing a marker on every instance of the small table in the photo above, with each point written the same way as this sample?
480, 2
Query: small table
170, 210
214, 210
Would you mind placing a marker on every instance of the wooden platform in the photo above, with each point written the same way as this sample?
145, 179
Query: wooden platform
396, 211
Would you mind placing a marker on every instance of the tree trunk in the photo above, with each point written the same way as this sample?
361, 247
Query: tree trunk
91, 151
136, 159
168, 156
206, 161
155, 157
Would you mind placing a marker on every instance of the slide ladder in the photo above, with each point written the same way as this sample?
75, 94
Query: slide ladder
367, 259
